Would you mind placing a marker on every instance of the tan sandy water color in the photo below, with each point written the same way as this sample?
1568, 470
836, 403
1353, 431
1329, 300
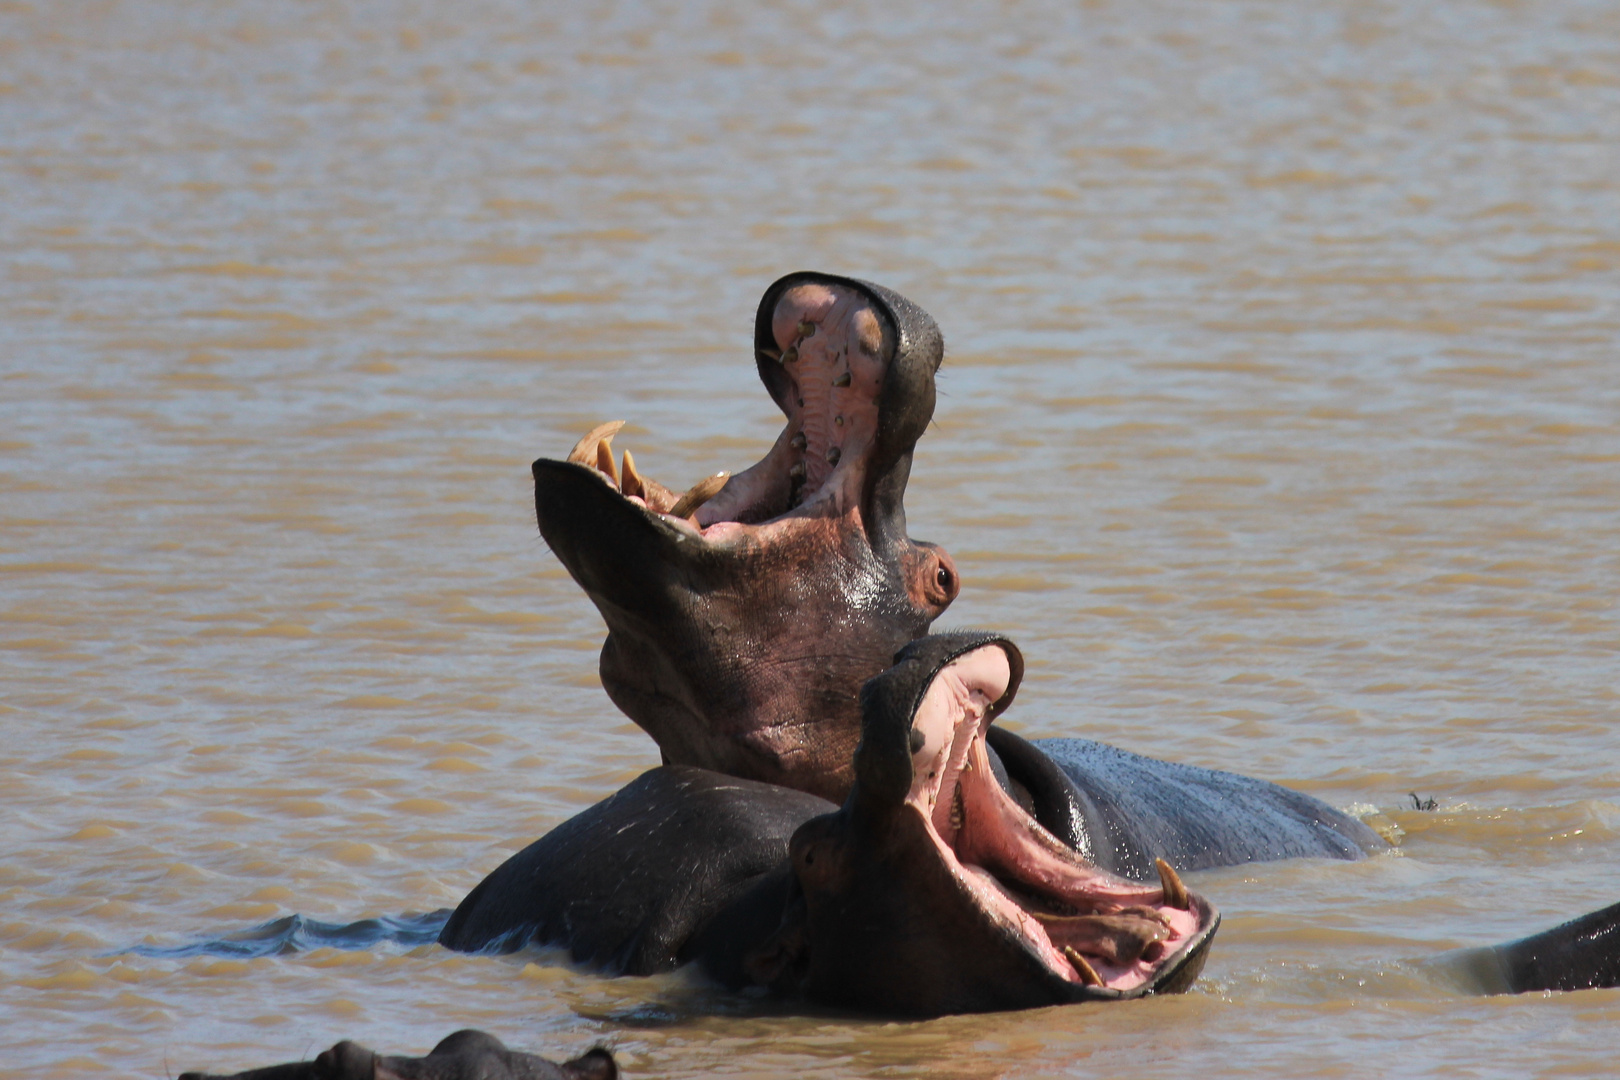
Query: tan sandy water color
1280, 427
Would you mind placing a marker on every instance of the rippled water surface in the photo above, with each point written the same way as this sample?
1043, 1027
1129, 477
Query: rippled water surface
1280, 425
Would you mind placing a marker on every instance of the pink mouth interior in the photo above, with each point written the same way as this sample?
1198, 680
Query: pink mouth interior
1020, 875
830, 344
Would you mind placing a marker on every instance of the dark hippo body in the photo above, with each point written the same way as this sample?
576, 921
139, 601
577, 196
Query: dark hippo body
700, 840
862, 906
1123, 810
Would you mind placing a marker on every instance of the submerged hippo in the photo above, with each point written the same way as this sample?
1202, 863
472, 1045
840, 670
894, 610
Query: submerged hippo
744, 616
929, 891
465, 1055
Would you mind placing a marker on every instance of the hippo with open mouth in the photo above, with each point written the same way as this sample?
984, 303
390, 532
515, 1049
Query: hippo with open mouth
930, 891
744, 615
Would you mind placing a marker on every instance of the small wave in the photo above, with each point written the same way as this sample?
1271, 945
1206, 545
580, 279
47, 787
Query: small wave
299, 933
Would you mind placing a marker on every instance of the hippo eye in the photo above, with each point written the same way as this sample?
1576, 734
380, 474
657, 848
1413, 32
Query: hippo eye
943, 576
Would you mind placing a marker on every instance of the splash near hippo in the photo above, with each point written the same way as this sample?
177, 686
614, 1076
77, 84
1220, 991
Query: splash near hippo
838, 821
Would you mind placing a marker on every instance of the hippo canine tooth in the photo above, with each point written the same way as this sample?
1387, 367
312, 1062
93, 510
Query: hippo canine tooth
1087, 973
698, 494
1175, 893
588, 451
798, 442
630, 480
842, 380
807, 328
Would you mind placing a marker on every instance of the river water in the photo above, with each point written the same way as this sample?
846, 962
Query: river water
1280, 426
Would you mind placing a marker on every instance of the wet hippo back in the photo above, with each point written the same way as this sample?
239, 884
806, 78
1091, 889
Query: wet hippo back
1121, 810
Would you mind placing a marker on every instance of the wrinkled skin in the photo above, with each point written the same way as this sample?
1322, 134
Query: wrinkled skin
740, 630
465, 1055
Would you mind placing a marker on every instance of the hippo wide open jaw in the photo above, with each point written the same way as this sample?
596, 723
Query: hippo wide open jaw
744, 615
1029, 921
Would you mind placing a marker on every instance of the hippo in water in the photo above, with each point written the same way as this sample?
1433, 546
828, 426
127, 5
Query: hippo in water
464, 1055
744, 616
929, 891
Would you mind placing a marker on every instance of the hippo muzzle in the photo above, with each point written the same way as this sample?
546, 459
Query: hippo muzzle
744, 614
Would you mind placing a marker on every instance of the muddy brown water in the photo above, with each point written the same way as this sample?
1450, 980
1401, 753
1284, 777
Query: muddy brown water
1280, 426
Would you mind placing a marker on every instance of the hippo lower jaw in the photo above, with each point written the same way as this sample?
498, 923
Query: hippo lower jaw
744, 615
1101, 934
931, 891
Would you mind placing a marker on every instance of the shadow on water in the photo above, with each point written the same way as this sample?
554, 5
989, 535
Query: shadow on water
298, 933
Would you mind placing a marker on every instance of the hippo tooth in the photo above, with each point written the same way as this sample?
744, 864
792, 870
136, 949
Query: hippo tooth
630, 480
806, 328
587, 451
798, 441
604, 460
838, 421
833, 455
1087, 973
772, 354
789, 355
699, 493
797, 472
957, 810
842, 380
1175, 893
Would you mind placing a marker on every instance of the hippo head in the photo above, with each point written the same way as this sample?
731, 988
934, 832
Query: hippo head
743, 615
932, 891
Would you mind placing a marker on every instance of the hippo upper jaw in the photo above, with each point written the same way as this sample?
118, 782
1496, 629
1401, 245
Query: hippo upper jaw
743, 616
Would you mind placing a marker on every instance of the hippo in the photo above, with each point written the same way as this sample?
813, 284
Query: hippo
929, 891
744, 615
932, 889
464, 1055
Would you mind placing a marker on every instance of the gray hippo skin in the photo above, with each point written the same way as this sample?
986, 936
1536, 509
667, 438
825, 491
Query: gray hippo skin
929, 891
1122, 810
465, 1055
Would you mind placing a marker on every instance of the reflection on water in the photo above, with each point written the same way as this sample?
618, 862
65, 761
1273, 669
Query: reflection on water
1278, 426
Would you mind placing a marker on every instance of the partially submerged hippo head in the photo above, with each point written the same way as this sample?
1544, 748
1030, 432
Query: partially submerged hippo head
464, 1055
743, 615
932, 891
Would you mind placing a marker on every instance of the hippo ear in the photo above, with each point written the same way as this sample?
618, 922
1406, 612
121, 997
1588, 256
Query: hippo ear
595, 1064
